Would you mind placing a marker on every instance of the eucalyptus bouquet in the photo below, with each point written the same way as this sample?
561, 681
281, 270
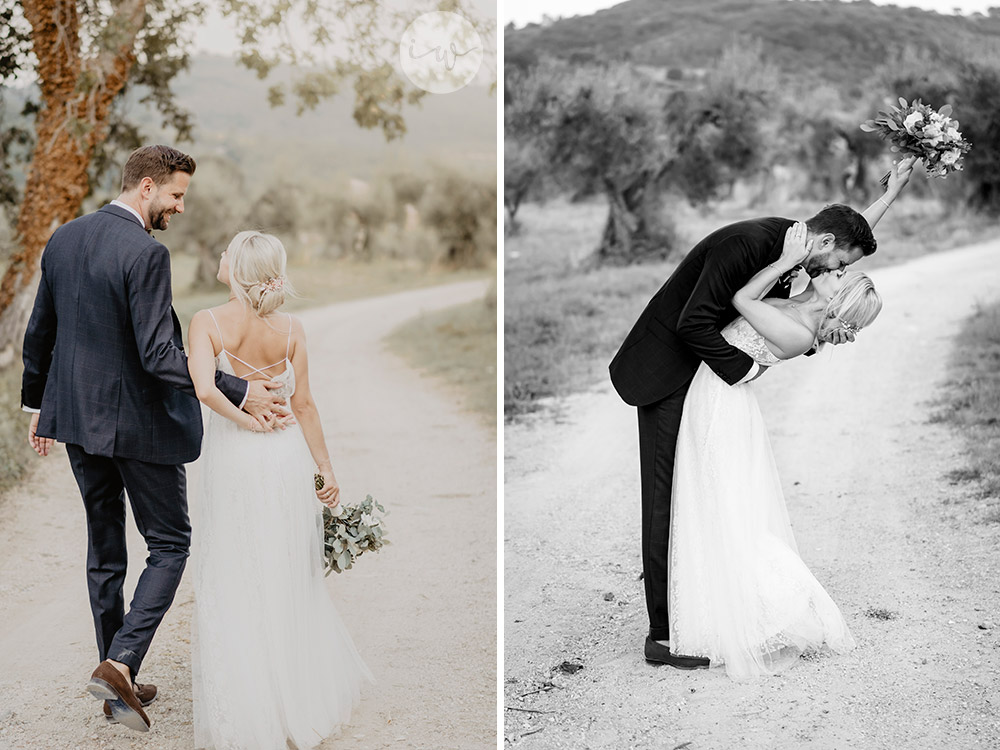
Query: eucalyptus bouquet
350, 531
918, 129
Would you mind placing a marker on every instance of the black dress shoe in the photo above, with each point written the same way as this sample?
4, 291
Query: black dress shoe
657, 653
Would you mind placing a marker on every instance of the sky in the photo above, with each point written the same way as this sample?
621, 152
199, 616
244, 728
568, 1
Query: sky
522, 12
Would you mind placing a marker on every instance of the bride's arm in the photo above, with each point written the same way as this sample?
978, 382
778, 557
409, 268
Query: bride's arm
899, 175
307, 415
785, 336
201, 366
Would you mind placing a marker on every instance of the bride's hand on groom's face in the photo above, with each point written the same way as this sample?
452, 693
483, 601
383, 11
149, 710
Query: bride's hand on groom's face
796, 247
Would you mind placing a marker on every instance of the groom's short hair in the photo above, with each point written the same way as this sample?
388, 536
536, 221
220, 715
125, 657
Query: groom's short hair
849, 228
155, 162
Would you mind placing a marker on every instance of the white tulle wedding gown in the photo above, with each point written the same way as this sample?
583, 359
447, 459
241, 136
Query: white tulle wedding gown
739, 592
273, 665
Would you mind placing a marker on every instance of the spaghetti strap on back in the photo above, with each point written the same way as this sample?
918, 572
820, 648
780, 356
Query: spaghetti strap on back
221, 340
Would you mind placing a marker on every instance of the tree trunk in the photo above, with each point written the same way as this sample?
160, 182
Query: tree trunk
628, 237
76, 97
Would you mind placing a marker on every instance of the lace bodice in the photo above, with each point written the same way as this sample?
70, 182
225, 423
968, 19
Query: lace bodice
744, 337
287, 378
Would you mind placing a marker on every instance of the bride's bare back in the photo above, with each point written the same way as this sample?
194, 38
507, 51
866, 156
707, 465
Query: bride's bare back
258, 347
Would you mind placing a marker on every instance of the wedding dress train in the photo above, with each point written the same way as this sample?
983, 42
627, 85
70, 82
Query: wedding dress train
739, 592
273, 664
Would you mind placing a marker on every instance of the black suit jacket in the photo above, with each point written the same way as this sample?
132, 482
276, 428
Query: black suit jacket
681, 326
103, 354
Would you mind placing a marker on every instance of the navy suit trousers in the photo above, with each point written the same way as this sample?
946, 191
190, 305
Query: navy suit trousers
659, 424
159, 504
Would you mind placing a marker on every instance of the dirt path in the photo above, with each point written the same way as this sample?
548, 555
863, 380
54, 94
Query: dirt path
422, 612
875, 519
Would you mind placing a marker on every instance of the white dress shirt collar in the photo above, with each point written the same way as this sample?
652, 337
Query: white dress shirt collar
131, 210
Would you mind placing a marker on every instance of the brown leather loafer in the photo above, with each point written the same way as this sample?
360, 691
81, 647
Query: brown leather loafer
145, 693
107, 683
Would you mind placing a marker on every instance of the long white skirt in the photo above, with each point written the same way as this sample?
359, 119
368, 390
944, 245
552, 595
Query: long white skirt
739, 592
272, 660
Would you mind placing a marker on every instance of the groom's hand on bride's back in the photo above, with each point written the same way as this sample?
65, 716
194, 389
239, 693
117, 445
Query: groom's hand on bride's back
268, 409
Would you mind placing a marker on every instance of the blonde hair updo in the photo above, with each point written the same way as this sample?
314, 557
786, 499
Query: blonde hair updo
855, 305
257, 264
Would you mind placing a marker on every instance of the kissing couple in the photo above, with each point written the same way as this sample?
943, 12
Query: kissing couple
106, 373
724, 582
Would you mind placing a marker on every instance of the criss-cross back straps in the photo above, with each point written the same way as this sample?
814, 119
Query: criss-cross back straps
255, 370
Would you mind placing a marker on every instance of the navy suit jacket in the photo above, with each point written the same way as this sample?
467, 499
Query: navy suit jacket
103, 354
681, 325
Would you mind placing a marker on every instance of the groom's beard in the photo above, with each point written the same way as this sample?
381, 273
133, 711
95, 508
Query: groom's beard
159, 217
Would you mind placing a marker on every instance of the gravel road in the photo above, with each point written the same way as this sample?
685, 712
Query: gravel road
905, 553
422, 612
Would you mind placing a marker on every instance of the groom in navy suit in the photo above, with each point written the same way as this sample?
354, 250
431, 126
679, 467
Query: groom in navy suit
106, 374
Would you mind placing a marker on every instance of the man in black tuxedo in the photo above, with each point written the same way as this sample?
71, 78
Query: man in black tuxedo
681, 327
105, 373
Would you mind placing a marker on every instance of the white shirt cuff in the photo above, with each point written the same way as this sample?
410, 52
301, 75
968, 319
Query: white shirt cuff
30, 410
246, 395
754, 370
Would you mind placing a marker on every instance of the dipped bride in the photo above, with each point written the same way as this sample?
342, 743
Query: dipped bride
740, 595
273, 665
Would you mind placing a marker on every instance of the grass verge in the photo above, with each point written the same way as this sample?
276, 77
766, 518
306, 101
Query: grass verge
459, 346
563, 323
15, 453
971, 403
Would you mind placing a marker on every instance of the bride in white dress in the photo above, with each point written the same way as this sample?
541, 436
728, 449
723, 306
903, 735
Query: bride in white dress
273, 665
740, 595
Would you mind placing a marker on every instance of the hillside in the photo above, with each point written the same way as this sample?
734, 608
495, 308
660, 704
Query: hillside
838, 42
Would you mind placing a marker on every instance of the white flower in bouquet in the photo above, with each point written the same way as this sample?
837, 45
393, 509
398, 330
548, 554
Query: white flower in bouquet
911, 121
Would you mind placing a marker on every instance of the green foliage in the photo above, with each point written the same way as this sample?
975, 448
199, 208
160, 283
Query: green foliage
350, 531
368, 29
522, 166
462, 210
722, 123
346, 50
